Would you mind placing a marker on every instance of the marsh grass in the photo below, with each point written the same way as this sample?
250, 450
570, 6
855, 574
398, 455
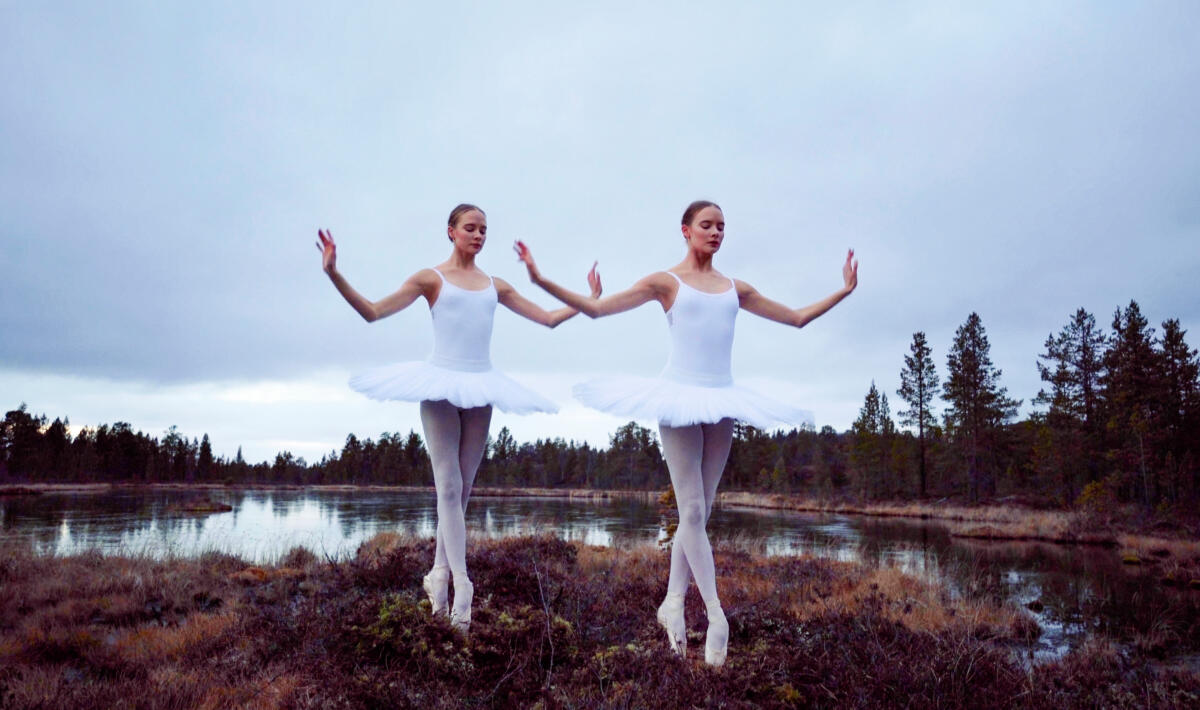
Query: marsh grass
1129, 527
556, 624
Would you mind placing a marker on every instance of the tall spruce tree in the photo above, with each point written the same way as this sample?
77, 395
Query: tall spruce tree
873, 432
918, 385
204, 461
1132, 403
1181, 407
1073, 367
979, 406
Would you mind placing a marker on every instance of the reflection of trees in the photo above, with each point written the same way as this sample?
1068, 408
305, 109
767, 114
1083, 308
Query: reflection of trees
1082, 588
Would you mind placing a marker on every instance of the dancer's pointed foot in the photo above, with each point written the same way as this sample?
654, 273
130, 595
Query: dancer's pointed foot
460, 613
716, 642
670, 616
437, 584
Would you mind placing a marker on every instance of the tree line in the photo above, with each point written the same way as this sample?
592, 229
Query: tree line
1118, 416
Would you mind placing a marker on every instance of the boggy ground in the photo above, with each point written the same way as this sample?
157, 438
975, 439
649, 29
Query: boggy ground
556, 624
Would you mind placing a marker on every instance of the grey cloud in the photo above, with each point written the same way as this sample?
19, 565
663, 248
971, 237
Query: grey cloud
163, 172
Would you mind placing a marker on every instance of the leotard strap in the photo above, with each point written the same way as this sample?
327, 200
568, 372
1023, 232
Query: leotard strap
732, 284
491, 281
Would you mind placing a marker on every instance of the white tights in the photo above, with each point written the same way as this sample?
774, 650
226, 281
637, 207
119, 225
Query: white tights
456, 439
696, 457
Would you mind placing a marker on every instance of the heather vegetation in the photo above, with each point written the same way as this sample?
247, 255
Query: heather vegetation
556, 624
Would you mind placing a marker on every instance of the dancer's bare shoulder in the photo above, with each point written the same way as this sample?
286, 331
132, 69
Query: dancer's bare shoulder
471, 279
707, 281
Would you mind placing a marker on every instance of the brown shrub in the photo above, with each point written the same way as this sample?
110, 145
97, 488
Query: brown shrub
555, 624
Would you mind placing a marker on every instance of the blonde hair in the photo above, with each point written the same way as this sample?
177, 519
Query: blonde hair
457, 213
690, 213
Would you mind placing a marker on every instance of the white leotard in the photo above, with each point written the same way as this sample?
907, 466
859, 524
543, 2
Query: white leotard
696, 386
462, 327
459, 370
701, 326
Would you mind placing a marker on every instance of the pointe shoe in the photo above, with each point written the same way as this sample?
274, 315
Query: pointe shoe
460, 613
716, 641
436, 584
670, 617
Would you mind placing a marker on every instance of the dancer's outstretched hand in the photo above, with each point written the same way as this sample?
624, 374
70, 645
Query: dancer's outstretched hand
850, 271
526, 256
594, 281
328, 251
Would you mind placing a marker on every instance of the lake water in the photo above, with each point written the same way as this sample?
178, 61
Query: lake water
1081, 588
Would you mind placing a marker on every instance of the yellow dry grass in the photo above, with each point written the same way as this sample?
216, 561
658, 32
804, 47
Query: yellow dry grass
257, 575
642, 559
1146, 546
150, 645
998, 522
383, 543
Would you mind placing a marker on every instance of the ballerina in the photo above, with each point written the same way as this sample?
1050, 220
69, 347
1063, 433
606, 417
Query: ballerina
456, 386
694, 400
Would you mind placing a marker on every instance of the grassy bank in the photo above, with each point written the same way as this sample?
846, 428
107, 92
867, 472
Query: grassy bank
996, 521
555, 624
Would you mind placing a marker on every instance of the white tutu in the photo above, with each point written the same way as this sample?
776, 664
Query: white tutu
417, 381
682, 404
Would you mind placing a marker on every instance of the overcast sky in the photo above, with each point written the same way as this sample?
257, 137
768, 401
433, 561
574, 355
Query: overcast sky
164, 168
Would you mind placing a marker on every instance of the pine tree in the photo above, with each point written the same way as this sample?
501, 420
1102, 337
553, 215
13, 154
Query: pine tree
873, 432
635, 454
1073, 366
55, 442
1132, 403
979, 406
205, 461
918, 385
1180, 370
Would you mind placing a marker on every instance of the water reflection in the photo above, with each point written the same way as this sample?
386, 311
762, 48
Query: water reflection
1076, 589
264, 525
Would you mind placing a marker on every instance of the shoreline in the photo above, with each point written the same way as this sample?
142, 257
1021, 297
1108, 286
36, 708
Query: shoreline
986, 522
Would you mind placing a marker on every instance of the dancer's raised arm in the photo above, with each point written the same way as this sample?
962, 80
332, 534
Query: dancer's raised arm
750, 299
655, 287
423, 283
515, 302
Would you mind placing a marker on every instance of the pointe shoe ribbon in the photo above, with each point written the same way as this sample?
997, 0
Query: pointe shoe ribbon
670, 617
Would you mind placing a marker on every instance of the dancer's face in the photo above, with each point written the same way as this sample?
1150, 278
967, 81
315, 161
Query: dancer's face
707, 230
470, 233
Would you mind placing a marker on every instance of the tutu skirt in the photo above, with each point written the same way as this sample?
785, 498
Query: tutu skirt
682, 404
417, 381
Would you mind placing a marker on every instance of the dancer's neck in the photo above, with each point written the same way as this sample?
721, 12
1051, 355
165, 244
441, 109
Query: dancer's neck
461, 260
695, 261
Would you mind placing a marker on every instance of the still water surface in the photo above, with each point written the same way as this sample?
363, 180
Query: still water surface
1082, 589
